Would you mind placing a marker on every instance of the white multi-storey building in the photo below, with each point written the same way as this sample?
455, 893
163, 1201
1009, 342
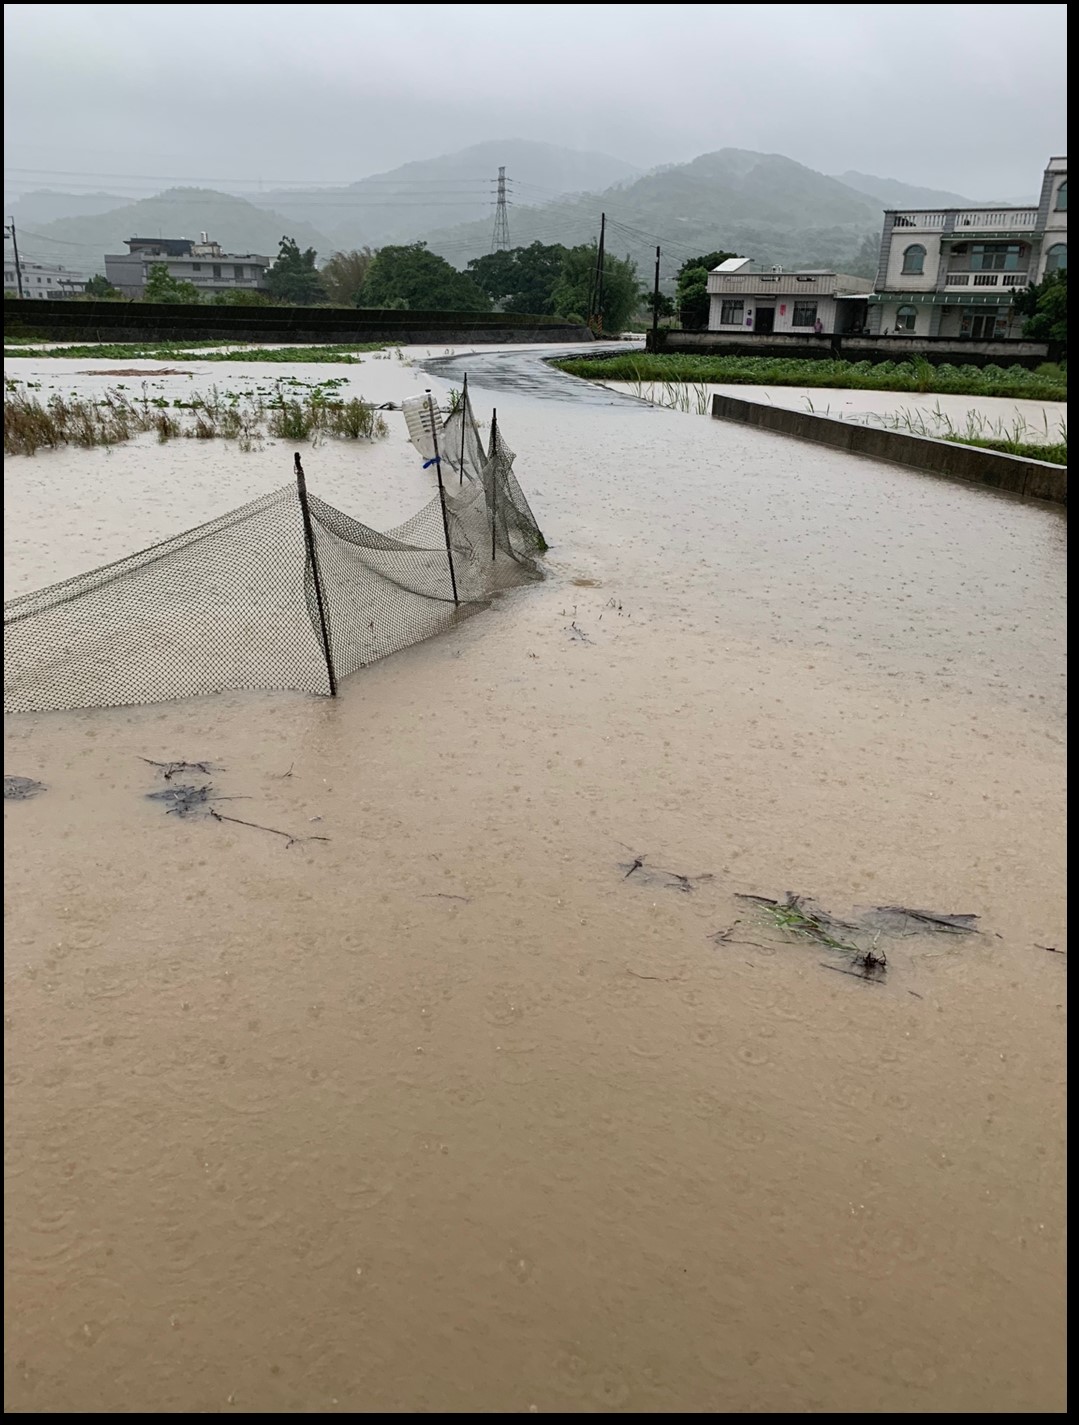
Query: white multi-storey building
955, 272
201, 263
42, 281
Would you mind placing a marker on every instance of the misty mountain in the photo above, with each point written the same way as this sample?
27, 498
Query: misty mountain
763, 205
441, 192
45, 206
893, 194
239, 226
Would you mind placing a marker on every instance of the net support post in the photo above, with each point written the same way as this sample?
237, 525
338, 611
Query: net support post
494, 480
464, 419
442, 498
312, 554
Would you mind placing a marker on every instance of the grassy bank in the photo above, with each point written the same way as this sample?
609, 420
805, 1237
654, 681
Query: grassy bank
1054, 454
1049, 383
346, 355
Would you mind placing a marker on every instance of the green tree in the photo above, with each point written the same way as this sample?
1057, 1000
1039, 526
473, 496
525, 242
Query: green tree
574, 291
160, 287
293, 277
660, 304
242, 297
522, 279
345, 273
692, 291
1045, 306
421, 281
101, 288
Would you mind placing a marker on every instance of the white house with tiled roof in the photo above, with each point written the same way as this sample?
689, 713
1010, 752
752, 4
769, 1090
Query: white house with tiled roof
955, 272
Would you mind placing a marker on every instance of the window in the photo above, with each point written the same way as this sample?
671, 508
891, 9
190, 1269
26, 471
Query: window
1056, 259
196, 267
914, 259
805, 314
217, 269
1062, 198
905, 319
995, 256
238, 271
731, 312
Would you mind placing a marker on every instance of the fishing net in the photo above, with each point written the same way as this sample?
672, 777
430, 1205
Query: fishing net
249, 602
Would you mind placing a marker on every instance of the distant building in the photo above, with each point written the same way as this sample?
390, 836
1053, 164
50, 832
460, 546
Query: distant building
955, 272
202, 263
43, 281
942, 272
746, 297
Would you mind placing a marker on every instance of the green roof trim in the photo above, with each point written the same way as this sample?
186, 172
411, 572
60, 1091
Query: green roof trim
1000, 298
969, 235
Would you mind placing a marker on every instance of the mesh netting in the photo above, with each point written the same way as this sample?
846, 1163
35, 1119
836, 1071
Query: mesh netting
233, 604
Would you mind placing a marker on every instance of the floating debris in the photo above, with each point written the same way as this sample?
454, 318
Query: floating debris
577, 634
901, 919
653, 875
799, 915
290, 839
169, 769
21, 789
183, 798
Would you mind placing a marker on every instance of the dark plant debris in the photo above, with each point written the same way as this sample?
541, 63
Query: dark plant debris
900, 919
170, 769
21, 789
656, 875
290, 839
801, 916
577, 634
182, 798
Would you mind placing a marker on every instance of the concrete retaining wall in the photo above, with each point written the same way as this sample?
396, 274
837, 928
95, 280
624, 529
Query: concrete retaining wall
1036, 478
854, 348
286, 326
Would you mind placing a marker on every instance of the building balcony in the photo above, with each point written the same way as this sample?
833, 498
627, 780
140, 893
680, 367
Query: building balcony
987, 279
966, 221
984, 220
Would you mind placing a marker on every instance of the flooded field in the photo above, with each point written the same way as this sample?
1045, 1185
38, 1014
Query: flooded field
932, 414
501, 1097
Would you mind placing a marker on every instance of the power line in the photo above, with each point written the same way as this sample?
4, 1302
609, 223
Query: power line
94, 176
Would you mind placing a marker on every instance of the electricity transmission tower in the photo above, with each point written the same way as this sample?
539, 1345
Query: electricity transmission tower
500, 240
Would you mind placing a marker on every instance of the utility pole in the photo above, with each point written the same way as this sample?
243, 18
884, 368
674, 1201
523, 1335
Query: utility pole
655, 307
500, 240
599, 270
15, 246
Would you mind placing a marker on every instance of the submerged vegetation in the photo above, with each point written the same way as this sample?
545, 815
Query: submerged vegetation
346, 355
1017, 437
290, 410
1048, 383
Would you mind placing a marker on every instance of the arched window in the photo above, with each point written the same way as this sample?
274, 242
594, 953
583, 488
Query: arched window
914, 259
1062, 197
905, 319
1056, 259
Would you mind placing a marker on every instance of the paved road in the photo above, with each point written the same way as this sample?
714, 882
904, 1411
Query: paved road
528, 371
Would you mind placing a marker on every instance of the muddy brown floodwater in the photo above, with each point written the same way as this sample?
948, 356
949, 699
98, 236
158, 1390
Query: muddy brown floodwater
450, 1112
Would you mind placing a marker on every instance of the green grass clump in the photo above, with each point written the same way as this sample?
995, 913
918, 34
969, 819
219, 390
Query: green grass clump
916, 375
1055, 454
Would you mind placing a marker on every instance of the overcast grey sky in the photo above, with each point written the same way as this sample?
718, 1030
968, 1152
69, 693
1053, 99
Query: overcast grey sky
962, 97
